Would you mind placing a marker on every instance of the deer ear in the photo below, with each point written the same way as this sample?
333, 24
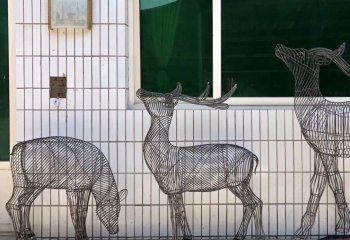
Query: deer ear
340, 50
138, 93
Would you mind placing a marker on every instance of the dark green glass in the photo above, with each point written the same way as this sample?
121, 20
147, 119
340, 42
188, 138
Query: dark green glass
252, 28
176, 45
4, 84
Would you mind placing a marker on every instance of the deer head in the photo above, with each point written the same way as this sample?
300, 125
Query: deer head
108, 210
299, 60
162, 104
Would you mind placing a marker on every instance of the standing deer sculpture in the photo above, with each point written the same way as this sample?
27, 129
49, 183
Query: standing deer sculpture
199, 168
63, 163
325, 126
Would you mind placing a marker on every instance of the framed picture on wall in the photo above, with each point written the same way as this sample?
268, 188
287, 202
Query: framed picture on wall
70, 14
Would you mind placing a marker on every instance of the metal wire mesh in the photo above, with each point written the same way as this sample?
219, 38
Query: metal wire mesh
96, 66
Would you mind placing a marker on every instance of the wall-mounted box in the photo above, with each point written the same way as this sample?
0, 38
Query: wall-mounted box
58, 87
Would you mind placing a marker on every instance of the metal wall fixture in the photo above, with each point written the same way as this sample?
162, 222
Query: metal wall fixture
199, 168
325, 126
63, 163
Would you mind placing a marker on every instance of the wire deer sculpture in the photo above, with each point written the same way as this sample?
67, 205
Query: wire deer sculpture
63, 163
325, 126
199, 168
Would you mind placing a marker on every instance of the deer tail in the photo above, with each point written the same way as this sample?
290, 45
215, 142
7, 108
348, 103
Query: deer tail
16, 158
256, 159
16, 147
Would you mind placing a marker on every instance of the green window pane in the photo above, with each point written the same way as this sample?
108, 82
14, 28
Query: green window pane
176, 44
252, 28
4, 84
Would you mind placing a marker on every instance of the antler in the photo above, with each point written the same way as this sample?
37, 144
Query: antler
177, 91
334, 56
214, 103
205, 93
338, 52
342, 64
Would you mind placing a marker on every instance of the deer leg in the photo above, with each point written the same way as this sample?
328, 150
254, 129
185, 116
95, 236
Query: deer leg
27, 199
178, 217
13, 208
78, 205
318, 183
257, 213
182, 218
250, 204
174, 225
336, 184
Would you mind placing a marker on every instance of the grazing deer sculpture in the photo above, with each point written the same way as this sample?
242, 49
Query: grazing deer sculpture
200, 168
325, 126
63, 163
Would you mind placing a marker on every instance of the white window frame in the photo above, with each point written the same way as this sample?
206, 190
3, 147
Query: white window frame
234, 102
5, 165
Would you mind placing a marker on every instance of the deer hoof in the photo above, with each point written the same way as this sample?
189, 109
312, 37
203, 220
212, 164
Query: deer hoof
343, 225
82, 237
239, 237
26, 236
302, 233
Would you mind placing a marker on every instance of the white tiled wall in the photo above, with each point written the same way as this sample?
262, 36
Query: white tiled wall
96, 65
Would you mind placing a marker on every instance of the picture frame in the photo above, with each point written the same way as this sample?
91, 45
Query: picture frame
70, 14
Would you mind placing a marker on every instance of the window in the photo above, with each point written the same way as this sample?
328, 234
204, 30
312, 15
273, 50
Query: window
251, 29
176, 44
4, 84
199, 41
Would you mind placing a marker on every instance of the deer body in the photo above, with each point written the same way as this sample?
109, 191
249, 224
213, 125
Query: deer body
63, 163
325, 126
199, 168
187, 171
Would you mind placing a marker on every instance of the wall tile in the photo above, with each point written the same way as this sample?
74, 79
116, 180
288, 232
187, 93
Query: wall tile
28, 72
44, 11
112, 44
104, 6
122, 11
28, 39
62, 42
19, 11
45, 40
122, 72
28, 11
19, 39
121, 40
112, 11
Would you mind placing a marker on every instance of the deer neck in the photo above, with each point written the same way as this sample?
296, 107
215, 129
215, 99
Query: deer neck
158, 134
307, 89
157, 147
307, 94
105, 187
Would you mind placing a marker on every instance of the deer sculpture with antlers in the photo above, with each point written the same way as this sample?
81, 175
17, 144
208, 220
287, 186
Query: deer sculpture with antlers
325, 126
199, 168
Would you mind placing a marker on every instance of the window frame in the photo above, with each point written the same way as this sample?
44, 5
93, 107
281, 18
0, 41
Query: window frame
5, 164
235, 102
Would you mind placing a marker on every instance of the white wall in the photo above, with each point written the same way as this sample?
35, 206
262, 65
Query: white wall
96, 65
